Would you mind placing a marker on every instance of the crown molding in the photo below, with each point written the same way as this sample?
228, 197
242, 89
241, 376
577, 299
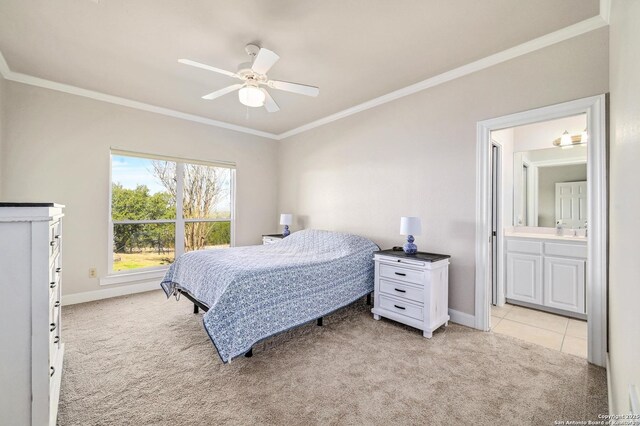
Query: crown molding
561, 35
99, 96
605, 10
566, 33
4, 67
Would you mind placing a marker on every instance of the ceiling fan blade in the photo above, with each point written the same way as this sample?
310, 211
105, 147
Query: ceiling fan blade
264, 60
301, 89
269, 104
207, 67
222, 92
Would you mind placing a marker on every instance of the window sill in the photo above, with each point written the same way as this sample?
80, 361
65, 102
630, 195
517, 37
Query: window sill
133, 277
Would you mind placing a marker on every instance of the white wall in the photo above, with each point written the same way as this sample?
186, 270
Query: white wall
57, 148
624, 209
417, 155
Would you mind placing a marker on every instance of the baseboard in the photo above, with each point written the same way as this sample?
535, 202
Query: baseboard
462, 318
89, 296
634, 401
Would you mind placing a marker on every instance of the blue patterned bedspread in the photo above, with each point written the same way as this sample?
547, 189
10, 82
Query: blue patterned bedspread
255, 292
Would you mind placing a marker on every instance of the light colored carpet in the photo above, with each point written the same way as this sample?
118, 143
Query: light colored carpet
145, 360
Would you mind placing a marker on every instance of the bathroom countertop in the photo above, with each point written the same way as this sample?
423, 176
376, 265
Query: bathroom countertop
544, 236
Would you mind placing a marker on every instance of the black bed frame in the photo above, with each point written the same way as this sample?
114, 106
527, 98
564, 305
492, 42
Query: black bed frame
197, 305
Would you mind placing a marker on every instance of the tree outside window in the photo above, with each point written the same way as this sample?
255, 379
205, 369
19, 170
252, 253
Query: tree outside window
149, 228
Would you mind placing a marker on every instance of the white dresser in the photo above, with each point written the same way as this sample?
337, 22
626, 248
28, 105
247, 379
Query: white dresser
31, 351
412, 289
547, 272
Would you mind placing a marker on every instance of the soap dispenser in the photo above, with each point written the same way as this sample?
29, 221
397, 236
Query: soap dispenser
559, 227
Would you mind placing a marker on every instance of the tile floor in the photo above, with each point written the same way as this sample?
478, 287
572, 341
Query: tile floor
552, 331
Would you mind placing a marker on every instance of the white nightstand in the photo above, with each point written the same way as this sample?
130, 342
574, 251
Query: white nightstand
271, 238
412, 289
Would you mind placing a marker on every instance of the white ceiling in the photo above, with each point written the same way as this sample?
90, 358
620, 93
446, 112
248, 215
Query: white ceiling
354, 50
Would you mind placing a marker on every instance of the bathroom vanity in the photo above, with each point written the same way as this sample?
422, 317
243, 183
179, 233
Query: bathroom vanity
547, 271
544, 270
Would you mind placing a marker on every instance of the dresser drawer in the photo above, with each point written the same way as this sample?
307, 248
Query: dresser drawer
55, 268
54, 287
54, 367
54, 345
54, 319
55, 236
54, 277
400, 307
403, 291
54, 327
521, 246
270, 240
568, 250
399, 273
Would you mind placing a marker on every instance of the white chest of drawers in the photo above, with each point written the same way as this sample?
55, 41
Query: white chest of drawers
412, 289
271, 238
31, 351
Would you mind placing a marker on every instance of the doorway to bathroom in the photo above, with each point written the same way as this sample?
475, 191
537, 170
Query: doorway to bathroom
541, 229
544, 224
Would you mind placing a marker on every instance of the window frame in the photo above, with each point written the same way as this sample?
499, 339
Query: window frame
152, 272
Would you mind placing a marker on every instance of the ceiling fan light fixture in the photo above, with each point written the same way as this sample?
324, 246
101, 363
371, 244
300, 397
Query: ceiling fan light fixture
254, 74
251, 96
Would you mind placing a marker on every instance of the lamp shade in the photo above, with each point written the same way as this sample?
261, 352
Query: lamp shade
286, 219
410, 225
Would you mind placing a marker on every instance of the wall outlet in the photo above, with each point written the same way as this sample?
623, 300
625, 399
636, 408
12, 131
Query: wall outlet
93, 273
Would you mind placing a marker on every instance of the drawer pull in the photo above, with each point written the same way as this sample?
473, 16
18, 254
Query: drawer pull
401, 274
53, 370
53, 326
56, 339
52, 284
57, 236
58, 269
400, 291
57, 304
52, 243
400, 307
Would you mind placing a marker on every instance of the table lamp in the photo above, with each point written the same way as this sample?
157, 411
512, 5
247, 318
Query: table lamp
286, 219
410, 226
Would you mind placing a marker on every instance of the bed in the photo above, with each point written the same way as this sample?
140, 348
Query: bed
254, 292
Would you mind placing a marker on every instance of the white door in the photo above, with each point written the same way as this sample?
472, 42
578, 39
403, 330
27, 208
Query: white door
564, 284
571, 204
524, 277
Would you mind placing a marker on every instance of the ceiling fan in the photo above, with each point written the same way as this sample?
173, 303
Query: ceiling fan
254, 76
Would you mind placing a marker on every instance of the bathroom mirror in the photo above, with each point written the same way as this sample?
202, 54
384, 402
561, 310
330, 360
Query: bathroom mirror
550, 185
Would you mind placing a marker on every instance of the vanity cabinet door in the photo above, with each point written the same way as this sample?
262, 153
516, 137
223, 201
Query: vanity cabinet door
564, 284
524, 277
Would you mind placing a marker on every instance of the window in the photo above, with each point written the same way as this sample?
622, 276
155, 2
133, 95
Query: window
161, 208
